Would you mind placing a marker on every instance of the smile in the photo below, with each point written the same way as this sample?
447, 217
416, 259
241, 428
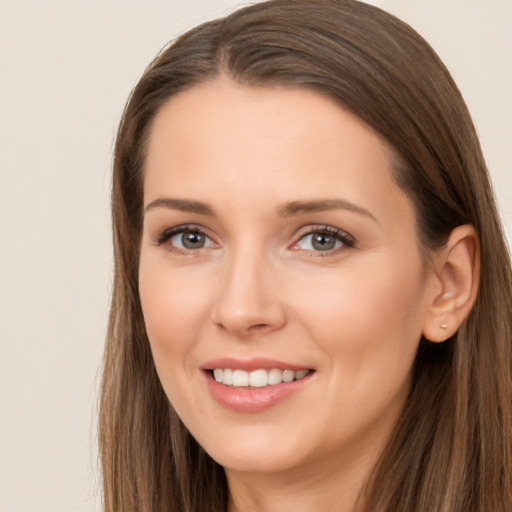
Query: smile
259, 378
255, 385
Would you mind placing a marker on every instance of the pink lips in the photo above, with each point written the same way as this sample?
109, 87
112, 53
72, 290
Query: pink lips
252, 400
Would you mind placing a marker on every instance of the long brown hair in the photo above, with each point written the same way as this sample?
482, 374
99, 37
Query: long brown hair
451, 451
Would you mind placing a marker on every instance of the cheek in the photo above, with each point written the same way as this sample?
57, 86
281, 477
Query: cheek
174, 307
367, 311
367, 323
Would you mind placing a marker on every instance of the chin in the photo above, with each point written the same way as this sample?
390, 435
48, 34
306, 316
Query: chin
254, 456
256, 463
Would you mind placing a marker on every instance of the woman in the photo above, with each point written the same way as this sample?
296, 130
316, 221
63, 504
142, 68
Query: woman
312, 289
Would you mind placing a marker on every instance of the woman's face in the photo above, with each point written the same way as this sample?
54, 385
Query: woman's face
276, 246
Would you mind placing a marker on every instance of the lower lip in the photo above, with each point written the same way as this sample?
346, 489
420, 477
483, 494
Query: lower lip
253, 399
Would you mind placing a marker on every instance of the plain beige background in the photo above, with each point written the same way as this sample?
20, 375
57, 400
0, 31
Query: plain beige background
66, 68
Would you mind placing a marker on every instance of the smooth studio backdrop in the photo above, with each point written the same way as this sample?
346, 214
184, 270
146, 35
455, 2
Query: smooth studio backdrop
66, 69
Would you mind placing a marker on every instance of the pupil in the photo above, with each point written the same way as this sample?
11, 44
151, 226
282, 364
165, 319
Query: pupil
193, 240
323, 242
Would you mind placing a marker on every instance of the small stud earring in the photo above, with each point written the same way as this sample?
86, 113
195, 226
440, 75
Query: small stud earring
443, 325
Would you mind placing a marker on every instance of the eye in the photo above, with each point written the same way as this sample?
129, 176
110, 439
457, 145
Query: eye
189, 240
185, 238
326, 239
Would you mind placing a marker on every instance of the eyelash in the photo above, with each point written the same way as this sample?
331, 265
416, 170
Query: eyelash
347, 240
171, 232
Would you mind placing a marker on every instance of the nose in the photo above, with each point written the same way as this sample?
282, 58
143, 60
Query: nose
249, 301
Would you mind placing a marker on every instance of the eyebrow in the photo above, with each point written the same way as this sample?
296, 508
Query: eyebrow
290, 209
185, 205
301, 207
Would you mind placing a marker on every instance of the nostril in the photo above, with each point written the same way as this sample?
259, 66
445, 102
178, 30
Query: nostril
259, 327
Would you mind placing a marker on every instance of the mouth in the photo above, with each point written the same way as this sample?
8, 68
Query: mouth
254, 385
258, 378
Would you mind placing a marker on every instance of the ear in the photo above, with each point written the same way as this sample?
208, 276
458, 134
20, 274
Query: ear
457, 271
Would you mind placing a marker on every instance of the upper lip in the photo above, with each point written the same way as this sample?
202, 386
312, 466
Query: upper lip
255, 363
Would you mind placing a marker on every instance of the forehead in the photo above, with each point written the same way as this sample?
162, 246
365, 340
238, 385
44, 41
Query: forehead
224, 104
259, 128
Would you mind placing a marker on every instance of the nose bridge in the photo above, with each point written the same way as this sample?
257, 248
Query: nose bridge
248, 300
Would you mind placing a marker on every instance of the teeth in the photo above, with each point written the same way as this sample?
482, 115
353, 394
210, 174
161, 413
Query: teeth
288, 375
240, 378
275, 377
256, 378
227, 377
301, 374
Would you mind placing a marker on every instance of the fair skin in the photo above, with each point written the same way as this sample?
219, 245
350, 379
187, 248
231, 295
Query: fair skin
275, 237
